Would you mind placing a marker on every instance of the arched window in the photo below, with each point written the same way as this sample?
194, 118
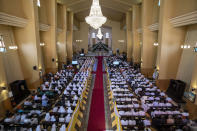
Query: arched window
107, 35
2, 45
159, 2
38, 3
93, 35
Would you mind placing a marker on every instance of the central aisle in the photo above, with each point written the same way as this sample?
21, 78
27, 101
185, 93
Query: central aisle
97, 111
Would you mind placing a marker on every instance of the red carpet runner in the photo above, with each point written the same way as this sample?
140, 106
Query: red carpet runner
97, 111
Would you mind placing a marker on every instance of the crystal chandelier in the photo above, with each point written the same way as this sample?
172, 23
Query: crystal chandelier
95, 18
99, 35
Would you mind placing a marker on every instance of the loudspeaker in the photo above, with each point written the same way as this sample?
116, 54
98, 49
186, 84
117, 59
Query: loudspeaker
117, 51
82, 51
34, 67
19, 90
176, 90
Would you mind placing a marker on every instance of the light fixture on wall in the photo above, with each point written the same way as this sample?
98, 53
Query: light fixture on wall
156, 44
95, 18
2, 45
38, 3
79, 41
42, 44
12, 45
185, 46
99, 34
121, 41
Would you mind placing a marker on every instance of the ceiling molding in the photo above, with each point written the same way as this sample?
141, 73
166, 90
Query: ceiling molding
80, 10
123, 2
76, 2
154, 27
88, 8
112, 5
115, 9
7, 19
44, 27
183, 20
82, 5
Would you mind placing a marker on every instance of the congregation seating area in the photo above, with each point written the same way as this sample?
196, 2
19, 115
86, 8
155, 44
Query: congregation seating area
54, 104
140, 103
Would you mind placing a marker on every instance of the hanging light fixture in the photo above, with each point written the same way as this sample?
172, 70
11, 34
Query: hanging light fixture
12, 46
99, 35
95, 18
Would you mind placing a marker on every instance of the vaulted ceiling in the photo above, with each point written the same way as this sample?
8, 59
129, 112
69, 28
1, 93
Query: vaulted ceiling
112, 9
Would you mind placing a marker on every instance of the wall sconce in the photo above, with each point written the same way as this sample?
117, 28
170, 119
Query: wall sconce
155, 44
79, 41
42, 44
12, 46
121, 41
158, 68
185, 46
40, 68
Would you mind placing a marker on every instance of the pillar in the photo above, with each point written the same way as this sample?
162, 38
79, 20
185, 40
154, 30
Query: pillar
148, 37
170, 39
28, 40
69, 42
135, 35
50, 38
62, 52
129, 35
